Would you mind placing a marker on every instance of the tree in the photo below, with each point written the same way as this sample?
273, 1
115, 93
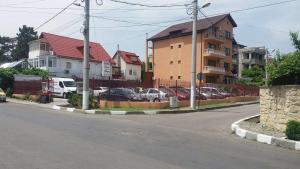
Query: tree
25, 35
296, 42
6, 47
256, 74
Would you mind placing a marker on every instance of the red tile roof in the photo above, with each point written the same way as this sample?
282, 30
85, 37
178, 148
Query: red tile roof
73, 48
186, 28
126, 56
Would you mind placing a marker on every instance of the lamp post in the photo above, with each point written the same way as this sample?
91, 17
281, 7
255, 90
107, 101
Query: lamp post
267, 59
194, 52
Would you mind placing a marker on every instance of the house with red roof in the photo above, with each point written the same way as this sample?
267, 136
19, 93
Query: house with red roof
129, 63
63, 57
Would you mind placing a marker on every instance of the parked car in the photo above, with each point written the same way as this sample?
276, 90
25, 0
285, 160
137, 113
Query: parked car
169, 92
2, 96
99, 90
213, 93
153, 95
120, 94
181, 93
62, 87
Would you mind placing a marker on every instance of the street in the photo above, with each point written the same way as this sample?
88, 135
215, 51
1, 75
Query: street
37, 138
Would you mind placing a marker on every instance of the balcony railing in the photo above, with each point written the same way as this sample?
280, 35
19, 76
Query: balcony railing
214, 52
214, 69
218, 36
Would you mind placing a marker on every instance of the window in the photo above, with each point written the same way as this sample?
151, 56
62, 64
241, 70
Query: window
179, 77
246, 56
61, 85
52, 61
68, 65
152, 91
36, 62
44, 47
171, 77
179, 61
227, 51
133, 58
30, 62
42, 62
212, 63
179, 46
227, 35
227, 66
134, 73
171, 46
212, 46
171, 62
130, 71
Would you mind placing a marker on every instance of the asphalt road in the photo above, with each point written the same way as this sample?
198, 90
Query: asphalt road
37, 138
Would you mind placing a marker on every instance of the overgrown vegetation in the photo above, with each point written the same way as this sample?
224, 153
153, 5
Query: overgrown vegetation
293, 130
285, 69
7, 76
76, 101
255, 74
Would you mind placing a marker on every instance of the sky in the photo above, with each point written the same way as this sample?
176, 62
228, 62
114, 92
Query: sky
114, 23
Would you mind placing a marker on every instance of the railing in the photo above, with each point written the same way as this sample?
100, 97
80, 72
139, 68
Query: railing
215, 52
214, 35
209, 69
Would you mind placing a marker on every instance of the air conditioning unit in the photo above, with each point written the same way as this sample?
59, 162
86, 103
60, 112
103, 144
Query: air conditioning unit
67, 71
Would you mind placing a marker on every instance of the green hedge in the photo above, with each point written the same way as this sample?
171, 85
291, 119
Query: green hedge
76, 101
293, 130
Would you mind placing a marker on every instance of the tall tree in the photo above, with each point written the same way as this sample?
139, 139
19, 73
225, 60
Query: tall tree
295, 40
6, 47
25, 35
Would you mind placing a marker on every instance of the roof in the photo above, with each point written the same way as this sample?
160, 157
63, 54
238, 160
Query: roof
186, 28
73, 48
11, 64
126, 56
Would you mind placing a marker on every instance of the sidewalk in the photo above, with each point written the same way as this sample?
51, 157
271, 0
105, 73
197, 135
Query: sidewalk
59, 104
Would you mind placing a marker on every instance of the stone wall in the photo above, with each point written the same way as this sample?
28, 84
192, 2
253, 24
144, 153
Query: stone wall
278, 105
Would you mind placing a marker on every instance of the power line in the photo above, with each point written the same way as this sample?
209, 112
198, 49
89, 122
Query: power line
26, 2
55, 15
146, 5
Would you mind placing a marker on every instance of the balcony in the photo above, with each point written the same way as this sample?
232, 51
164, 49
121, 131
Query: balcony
213, 70
214, 53
214, 36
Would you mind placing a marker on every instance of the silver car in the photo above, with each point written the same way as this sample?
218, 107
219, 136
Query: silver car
153, 95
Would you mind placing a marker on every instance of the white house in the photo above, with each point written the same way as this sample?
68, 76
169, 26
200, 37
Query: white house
129, 64
63, 57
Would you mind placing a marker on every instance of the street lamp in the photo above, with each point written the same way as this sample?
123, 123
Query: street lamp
194, 51
267, 59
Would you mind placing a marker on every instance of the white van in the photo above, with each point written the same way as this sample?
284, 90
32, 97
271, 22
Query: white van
63, 86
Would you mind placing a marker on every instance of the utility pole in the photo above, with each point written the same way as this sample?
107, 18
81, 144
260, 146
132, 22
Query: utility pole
86, 67
146, 55
194, 55
266, 71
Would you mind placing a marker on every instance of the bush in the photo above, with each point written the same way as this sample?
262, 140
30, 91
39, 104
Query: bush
255, 74
293, 130
285, 69
76, 101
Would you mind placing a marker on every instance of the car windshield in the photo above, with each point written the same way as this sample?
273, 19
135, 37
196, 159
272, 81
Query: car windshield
128, 91
69, 83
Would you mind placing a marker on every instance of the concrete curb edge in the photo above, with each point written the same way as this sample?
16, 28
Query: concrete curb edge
262, 138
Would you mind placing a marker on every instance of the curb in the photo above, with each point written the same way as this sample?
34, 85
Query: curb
262, 138
145, 112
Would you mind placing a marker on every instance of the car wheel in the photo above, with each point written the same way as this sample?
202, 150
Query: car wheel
156, 100
65, 95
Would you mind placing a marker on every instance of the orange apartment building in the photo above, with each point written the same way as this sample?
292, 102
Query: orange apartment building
172, 50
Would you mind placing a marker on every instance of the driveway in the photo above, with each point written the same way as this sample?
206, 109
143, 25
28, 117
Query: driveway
33, 137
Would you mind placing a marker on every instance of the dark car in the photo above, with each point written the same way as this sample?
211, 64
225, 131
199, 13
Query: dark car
181, 93
120, 94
